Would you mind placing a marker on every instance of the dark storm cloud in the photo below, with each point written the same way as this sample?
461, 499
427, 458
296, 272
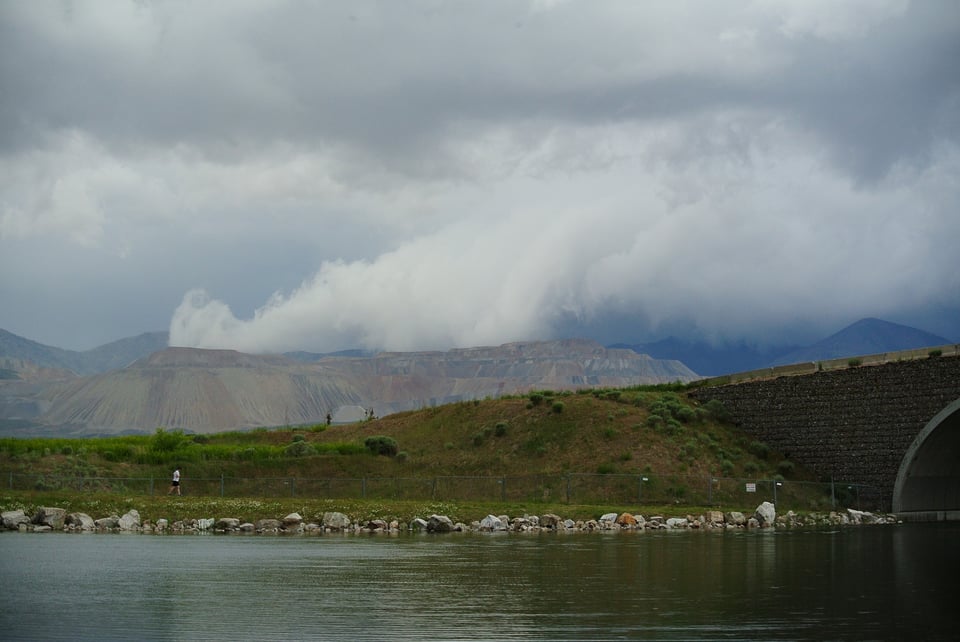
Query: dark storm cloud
452, 173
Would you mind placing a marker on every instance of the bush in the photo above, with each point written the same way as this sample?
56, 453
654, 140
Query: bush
381, 445
606, 469
717, 410
853, 363
726, 467
785, 468
759, 449
300, 449
558, 407
167, 442
536, 398
500, 429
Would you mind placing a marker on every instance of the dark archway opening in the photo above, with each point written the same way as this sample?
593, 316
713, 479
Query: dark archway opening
928, 482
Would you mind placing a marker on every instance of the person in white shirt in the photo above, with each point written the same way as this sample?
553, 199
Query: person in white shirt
175, 484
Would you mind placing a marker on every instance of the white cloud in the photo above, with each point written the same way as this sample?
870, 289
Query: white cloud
405, 175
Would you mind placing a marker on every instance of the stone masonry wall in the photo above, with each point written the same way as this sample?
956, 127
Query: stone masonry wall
854, 424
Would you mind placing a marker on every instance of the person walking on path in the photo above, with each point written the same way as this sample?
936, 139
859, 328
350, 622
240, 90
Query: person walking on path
175, 484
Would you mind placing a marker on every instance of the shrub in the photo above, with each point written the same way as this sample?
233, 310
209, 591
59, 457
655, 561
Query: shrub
853, 363
298, 437
785, 468
500, 429
381, 445
558, 407
759, 449
606, 469
478, 439
402, 456
751, 468
536, 398
299, 449
935, 353
167, 442
726, 467
717, 410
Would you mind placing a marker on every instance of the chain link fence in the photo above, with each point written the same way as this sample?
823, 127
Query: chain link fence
569, 488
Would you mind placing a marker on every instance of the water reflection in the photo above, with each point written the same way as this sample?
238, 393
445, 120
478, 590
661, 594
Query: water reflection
878, 583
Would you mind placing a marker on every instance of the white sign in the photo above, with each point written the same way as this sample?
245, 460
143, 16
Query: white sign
751, 487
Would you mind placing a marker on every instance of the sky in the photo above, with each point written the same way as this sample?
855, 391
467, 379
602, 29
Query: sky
277, 175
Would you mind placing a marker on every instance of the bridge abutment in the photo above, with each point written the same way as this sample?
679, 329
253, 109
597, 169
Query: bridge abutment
858, 424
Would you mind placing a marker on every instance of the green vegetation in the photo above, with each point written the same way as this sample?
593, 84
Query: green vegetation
657, 431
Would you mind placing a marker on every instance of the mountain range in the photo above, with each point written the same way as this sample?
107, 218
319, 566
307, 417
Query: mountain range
213, 390
866, 336
138, 384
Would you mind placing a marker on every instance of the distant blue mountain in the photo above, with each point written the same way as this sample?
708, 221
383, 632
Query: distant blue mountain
867, 336
708, 360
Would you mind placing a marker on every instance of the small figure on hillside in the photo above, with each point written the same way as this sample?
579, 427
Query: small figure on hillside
175, 484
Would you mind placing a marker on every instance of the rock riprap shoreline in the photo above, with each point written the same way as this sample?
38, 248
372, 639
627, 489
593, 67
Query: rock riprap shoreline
47, 519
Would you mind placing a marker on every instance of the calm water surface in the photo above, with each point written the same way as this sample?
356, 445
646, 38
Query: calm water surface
883, 583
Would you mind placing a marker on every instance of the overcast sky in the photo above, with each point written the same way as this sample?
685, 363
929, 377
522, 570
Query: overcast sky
276, 175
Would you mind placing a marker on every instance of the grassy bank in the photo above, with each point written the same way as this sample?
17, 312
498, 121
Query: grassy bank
657, 433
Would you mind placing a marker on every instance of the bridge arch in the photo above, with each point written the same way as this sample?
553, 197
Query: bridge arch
928, 481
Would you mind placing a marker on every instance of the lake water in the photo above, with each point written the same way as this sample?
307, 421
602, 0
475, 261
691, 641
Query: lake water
879, 582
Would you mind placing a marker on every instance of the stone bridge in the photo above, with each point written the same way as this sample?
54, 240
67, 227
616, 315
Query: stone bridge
890, 422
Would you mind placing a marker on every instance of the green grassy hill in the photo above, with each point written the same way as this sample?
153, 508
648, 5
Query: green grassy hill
647, 430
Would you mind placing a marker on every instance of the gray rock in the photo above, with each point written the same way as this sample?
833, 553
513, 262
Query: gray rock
861, 517
292, 520
608, 517
439, 524
713, 517
492, 523
162, 524
735, 517
52, 517
13, 518
418, 524
335, 521
766, 514
269, 525
107, 523
204, 524
677, 522
80, 521
130, 521
246, 527
227, 524
550, 521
